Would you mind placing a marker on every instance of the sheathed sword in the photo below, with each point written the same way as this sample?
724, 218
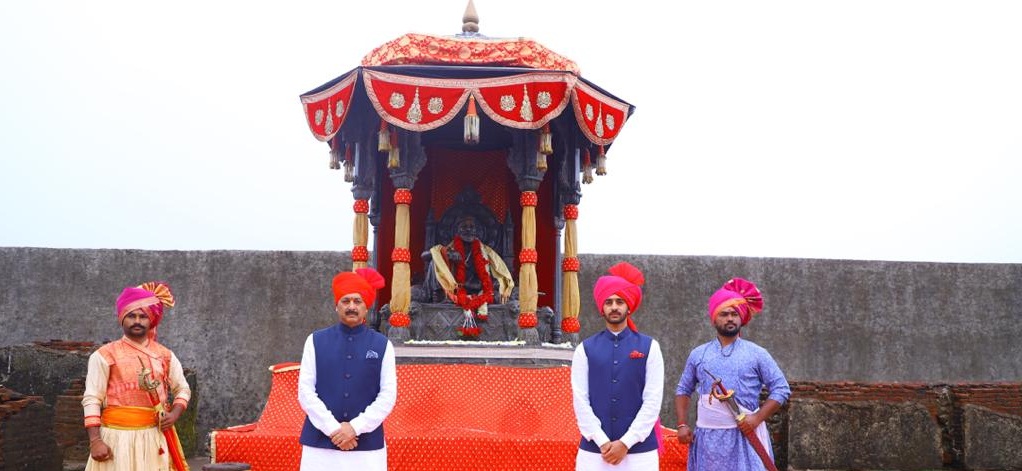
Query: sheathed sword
149, 384
727, 396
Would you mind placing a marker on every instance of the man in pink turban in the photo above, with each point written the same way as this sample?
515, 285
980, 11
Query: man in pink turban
126, 418
718, 442
617, 381
347, 384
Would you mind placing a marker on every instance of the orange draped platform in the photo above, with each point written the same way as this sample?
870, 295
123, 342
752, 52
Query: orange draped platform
447, 417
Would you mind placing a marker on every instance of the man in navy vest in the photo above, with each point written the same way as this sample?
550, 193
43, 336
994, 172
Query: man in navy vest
617, 382
348, 383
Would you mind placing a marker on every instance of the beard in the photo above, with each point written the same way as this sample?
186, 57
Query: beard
729, 330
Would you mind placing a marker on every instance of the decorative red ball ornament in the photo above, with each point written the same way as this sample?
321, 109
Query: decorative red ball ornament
403, 196
361, 206
360, 253
570, 264
528, 256
529, 198
570, 211
400, 319
570, 325
401, 254
527, 320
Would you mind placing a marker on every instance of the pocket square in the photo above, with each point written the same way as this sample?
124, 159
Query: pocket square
636, 354
372, 354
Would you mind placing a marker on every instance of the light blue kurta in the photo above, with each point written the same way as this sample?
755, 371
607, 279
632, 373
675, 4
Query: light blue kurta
746, 368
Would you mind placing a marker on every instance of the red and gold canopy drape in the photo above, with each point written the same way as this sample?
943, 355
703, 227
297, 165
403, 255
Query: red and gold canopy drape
526, 100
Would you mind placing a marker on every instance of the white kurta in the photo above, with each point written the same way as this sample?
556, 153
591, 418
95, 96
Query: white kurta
589, 425
322, 459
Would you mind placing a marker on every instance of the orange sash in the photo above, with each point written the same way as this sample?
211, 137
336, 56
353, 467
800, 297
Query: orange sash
129, 418
139, 418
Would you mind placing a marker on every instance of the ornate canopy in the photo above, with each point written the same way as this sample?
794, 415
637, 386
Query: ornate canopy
420, 82
519, 103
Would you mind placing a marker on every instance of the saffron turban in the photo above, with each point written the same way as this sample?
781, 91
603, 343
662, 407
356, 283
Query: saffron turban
151, 297
625, 281
364, 281
739, 293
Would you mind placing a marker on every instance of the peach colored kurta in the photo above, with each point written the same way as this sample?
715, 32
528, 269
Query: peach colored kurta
112, 381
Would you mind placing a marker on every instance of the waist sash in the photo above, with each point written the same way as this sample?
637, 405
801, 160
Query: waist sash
129, 418
141, 418
716, 415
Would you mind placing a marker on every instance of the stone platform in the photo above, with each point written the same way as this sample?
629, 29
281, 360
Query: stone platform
467, 353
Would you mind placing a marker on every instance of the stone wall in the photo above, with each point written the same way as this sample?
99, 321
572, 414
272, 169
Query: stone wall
54, 372
26, 434
825, 320
852, 425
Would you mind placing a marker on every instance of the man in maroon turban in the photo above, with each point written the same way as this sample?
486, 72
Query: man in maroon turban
617, 381
348, 383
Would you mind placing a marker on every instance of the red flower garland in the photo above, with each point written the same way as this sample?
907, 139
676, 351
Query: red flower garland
570, 325
359, 253
400, 319
467, 301
527, 320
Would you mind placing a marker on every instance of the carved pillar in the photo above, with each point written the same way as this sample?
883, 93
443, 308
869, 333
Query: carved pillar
401, 282
571, 194
523, 161
360, 235
403, 172
570, 266
528, 294
363, 178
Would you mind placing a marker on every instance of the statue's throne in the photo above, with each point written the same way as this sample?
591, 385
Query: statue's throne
434, 317
498, 236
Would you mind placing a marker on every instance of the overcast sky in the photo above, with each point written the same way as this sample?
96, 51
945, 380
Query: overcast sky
887, 130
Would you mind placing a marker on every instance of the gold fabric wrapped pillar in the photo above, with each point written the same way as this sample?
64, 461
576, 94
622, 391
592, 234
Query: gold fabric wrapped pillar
570, 300
528, 294
401, 282
360, 235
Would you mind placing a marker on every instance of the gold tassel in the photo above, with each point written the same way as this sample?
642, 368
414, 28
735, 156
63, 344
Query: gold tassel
601, 162
587, 169
541, 161
471, 122
394, 158
335, 154
335, 160
349, 164
384, 137
546, 141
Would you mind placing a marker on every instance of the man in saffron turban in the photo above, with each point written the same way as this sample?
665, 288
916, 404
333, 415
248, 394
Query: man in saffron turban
617, 381
718, 442
130, 385
347, 384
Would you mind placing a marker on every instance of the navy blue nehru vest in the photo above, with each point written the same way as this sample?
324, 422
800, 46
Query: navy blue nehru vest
616, 381
348, 364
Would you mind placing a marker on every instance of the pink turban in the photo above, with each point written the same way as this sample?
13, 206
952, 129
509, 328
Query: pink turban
740, 294
364, 281
625, 281
151, 297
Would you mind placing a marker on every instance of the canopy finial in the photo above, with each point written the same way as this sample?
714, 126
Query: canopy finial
470, 20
